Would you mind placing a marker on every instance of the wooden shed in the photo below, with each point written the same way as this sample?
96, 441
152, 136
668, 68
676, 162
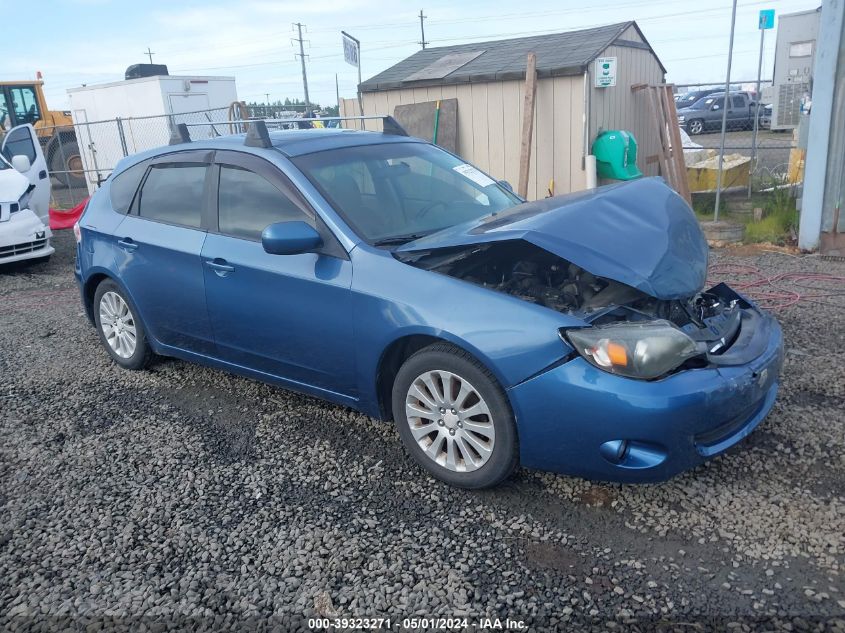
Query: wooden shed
488, 78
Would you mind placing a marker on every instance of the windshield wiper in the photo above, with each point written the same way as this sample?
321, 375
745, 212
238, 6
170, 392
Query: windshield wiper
398, 239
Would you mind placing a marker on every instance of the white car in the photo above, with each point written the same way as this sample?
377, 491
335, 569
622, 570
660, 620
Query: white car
24, 198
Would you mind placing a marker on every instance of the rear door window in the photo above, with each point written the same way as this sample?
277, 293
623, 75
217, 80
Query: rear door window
738, 102
173, 193
248, 203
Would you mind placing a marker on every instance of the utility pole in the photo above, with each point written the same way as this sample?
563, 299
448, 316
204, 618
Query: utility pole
337, 93
299, 26
150, 54
422, 41
725, 116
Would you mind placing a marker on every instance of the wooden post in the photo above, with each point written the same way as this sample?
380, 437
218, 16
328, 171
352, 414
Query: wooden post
527, 124
660, 130
677, 146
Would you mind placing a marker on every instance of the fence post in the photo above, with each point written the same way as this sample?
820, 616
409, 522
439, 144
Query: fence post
119, 122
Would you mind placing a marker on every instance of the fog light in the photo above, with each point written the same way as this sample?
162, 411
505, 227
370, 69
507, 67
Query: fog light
614, 451
633, 454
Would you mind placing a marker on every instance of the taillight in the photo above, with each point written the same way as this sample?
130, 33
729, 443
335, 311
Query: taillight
77, 233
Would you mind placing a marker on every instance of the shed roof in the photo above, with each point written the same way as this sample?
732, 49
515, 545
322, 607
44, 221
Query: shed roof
558, 54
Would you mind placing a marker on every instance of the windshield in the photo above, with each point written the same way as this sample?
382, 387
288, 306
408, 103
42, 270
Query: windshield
396, 192
688, 98
706, 102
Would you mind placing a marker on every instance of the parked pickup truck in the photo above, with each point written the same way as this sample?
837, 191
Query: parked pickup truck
706, 114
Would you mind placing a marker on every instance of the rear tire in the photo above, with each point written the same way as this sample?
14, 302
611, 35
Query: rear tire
460, 428
119, 328
64, 160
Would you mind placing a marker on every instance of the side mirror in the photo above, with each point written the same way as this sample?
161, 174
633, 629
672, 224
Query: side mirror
715, 106
290, 238
506, 185
21, 163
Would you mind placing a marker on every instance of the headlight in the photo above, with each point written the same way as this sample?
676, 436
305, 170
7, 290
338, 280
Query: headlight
636, 350
23, 201
681, 119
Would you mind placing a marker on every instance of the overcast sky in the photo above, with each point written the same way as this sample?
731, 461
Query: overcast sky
91, 41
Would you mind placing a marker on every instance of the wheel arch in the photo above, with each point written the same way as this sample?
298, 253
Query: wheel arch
405, 346
89, 290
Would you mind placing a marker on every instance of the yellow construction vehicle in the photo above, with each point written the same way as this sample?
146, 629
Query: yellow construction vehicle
23, 102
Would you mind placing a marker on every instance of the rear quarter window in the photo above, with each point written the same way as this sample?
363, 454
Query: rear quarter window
124, 186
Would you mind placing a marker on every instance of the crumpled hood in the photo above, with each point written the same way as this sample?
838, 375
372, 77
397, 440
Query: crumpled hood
640, 233
13, 185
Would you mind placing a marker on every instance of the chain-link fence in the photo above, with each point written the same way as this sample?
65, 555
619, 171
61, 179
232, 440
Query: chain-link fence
771, 158
81, 157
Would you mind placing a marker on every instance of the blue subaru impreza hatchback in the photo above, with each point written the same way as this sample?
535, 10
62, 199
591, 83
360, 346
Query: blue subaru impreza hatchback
374, 270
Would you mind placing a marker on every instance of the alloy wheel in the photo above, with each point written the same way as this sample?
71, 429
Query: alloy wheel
450, 421
696, 127
118, 325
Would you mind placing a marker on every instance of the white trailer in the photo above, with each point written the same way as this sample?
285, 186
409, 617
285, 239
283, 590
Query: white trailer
120, 118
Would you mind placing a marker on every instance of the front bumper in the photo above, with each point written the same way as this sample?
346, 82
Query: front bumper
24, 236
579, 420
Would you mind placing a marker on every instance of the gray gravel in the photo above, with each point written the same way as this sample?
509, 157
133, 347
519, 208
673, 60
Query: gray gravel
186, 498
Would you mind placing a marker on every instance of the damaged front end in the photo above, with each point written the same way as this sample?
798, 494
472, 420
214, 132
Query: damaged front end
631, 333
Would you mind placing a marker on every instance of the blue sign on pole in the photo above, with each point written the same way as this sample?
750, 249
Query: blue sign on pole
767, 19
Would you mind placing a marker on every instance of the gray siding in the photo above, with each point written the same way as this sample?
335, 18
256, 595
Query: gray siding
618, 108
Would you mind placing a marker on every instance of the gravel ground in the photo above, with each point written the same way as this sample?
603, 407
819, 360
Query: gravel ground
187, 498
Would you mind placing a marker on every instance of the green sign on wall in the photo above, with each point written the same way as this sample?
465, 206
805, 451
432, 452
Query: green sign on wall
605, 72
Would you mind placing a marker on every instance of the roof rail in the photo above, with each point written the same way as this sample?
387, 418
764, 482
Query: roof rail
259, 136
180, 134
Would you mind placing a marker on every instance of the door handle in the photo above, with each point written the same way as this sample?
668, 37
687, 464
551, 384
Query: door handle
220, 267
127, 244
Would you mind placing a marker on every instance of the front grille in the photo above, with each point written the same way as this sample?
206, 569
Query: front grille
726, 430
21, 249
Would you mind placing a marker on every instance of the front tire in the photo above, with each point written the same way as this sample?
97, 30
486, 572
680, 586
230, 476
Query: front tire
454, 419
120, 330
696, 126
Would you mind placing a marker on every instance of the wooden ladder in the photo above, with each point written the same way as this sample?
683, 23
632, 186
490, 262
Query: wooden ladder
664, 117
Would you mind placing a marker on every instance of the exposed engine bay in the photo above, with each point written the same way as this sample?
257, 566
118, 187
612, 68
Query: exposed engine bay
530, 273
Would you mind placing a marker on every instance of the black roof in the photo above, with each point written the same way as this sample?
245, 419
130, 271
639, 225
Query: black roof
557, 54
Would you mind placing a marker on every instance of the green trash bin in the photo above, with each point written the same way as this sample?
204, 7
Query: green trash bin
616, 155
